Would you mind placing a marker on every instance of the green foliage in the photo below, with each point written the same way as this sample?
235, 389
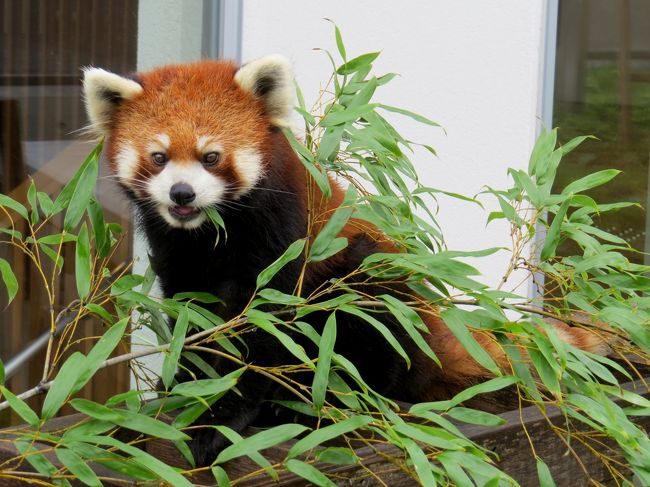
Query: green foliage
350, 135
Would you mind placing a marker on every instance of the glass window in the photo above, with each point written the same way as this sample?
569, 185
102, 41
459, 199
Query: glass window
602, 87
44, 46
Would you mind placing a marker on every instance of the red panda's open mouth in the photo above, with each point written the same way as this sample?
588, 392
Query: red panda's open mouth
184, 212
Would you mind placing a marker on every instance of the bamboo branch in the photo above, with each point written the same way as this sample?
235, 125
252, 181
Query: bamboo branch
43, 387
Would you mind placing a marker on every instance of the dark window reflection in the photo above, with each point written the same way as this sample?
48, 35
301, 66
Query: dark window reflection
43, 45
603, 88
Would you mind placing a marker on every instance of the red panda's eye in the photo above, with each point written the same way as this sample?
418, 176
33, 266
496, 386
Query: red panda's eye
158, 158
211, 158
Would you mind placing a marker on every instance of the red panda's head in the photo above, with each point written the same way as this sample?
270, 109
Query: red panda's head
187, 137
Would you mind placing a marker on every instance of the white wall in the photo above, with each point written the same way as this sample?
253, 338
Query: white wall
471, 65
169, 31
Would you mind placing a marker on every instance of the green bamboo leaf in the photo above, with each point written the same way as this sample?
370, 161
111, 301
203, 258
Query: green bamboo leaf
83, 265
381, 328
110, 460
292, 253
19, 406
479, 466
55, 257
99, 311
34, 217
324, 245
544, 474
541, 152
357, 63
14, 234
208, 387
428, 435
129, 419
325, 351
217, 220
364, 95
261, 441
321, 435
2, 373
575, 142
275, 296
420, 462
309, 472
14, 205
288, 343
339, 42
192, 412
170, 361
411, 322
63, 385
100, 232
318, 174
453, 318
337, 456
220, 476
100, 352
350, 114
77, 466
81, 193
257, 457
47, 205
130, 398
201, 365
410, 114
155, 466
9, 278
65, 196
455, 472
330, 143
591, 181
553, 234
57, 239
126, 283
201, 297
526, 185
333, 247
37, 460
473, 416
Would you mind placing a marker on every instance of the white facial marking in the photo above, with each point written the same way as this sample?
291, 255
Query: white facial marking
127, 159
209, 190
248, 163
160, 143
206, 143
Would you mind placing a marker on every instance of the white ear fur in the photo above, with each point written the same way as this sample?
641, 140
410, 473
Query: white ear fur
270, 78
103, 91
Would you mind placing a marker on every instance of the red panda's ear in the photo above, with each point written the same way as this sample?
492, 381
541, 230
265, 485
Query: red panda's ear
103, 91
270, 78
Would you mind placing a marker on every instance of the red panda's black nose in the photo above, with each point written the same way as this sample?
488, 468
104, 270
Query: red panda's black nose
182, 194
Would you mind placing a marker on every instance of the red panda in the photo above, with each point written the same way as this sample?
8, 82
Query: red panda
184, 138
